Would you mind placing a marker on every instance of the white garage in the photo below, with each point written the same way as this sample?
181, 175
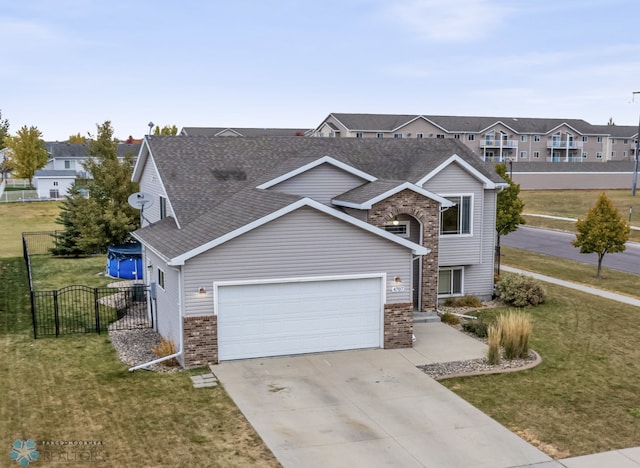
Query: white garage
296, 316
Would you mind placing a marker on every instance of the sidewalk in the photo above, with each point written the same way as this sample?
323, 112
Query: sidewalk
580, 287
625, 458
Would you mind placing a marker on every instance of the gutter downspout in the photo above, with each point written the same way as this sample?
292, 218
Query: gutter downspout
179, 352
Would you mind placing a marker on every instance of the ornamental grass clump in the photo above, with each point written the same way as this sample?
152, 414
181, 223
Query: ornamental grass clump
516, 330
165, 348
494, 334
449, 318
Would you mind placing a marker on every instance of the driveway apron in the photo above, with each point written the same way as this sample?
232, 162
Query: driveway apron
367, 408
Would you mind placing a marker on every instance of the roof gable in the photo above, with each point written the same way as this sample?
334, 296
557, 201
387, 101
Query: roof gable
363, 198
455, 159
306, 167
182, 258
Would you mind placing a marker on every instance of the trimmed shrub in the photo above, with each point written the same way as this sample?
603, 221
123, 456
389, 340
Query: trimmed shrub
516, 332
494, 335
449, 318
477, 327
520, 290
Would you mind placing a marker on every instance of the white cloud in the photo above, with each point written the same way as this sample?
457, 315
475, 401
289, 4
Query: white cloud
448, 20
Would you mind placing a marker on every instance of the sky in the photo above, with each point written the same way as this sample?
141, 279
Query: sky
68, 65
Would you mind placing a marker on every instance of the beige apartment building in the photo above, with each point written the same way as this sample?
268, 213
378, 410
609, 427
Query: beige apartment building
496, 138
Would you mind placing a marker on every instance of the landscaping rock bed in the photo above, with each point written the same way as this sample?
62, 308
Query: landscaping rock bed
134, 347
445, 370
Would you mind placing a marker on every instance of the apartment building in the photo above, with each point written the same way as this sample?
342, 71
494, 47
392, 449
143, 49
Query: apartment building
496, 138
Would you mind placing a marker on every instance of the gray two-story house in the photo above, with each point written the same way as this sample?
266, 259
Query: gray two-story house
276, 246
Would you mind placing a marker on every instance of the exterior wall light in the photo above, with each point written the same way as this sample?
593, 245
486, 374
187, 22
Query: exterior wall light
202, 291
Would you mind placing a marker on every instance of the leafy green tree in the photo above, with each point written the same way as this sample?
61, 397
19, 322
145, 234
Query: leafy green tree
26, 152
166, 130
4, 130
104, 218
508, 210
603, 231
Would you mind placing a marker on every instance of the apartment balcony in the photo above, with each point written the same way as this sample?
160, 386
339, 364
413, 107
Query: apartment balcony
563, 144
561, 159
498, 143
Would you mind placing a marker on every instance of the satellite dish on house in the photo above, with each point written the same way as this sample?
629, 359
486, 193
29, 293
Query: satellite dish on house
140, 200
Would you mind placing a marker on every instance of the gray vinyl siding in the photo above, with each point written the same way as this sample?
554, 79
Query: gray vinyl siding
460, 250
322, 183
150, 183
304, 243
474, 252
167, 305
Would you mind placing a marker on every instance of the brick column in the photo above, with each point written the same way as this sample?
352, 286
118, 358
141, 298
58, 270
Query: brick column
427, 212
398, 325
200, 341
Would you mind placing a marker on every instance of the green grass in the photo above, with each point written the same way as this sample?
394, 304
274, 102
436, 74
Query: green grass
576, 203
569, 270
51, 272
16, 218
75, 388
583, 398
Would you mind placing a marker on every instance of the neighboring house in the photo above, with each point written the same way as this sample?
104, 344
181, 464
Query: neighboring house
247, 132
275, 246
53, 184
66, 164
496, 138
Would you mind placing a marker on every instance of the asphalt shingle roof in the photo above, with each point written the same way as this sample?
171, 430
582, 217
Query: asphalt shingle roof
210, 181
244, 131
473, 124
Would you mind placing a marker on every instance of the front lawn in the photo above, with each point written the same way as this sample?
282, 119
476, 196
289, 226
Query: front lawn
75, 389
583, 398
16, 218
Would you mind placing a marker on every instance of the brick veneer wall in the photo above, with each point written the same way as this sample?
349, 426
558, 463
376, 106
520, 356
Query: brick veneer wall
200, 341
398, 325
427, 212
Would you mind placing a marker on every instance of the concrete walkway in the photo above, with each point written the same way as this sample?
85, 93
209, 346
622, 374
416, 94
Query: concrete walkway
577, 286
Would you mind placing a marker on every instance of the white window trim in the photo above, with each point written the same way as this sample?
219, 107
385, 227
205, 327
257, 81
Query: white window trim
162, 278
398, 135
461, 269
419, 135
471, 137
471, 213
523, 138
523, 154
406, 223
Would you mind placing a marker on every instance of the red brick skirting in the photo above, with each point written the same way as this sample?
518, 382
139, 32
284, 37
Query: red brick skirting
398, 325
200, 341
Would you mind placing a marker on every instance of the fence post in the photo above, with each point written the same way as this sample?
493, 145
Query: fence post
56, 317
33, 314
97, 309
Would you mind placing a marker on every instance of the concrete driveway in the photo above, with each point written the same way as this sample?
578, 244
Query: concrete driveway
371, 408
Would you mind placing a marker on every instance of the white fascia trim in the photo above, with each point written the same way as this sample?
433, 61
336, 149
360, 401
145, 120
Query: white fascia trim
228, 130
577, 172
147, 246
487, 184
415, 248
140, 160
325, 159
562, 125
404, 186
492, 127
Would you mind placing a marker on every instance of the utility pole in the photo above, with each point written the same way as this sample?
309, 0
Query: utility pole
635, 163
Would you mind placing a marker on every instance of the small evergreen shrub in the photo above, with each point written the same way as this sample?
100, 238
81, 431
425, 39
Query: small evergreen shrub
516, 330
477, 327
494, 335
449, 318
520, 290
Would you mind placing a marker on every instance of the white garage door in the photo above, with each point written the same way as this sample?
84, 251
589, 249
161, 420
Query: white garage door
274, 319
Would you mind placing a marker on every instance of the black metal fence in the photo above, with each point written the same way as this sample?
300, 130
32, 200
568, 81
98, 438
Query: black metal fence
82, 309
